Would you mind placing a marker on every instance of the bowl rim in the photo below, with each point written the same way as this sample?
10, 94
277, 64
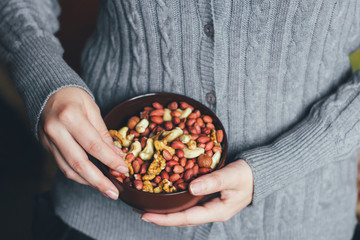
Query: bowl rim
221, 163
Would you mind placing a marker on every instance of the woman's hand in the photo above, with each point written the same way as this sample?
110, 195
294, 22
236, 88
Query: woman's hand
235, 184
71, 124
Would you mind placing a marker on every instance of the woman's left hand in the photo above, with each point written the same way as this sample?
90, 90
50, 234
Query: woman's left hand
235, 184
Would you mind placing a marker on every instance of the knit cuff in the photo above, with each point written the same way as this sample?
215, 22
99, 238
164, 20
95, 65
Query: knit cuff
38, 69
289, 157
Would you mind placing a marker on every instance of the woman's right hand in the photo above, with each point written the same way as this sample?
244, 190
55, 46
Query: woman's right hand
71, 124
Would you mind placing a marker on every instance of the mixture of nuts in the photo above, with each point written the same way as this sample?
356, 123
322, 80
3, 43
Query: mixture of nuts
166, 148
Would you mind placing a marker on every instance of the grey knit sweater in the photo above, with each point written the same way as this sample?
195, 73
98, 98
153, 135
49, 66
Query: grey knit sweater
276, 73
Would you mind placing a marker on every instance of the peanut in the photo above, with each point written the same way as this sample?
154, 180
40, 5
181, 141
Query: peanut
178, 169
174, 177
136, 166
209, 146
182, 161
209, 153
190, 122
138, 184
180, 153
192, 116
176, 120
169, 126
130, 157
173, 105
172, 163
157, 119
120, 179
152, 126
188, 175
148, 108
114, 173
195, 170
219, 135
176, 113
200, 122
157, 105
143, 142
177, 145
204, 170
182, 186
144, 168
189, 164
181, 125
167, 155
135, 133
203, 139
216, 148
157, 112
164, 175
157, 179
207, 119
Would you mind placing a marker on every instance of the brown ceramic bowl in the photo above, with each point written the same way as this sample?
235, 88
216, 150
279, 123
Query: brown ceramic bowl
156, 202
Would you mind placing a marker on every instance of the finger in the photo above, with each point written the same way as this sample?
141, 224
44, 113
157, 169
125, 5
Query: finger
212, 211
65, 168
88, 137
96, 120
77, 159
222, 179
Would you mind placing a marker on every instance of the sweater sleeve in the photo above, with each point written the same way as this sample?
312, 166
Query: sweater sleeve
330, 132
32, 54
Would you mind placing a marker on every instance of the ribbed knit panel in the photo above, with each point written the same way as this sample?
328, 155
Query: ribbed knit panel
283, 88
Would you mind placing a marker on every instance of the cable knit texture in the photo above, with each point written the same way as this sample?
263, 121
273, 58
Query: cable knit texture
281, 79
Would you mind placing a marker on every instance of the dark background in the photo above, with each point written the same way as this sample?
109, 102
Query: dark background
26, 170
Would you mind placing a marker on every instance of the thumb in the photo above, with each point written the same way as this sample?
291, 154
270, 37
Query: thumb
216, 181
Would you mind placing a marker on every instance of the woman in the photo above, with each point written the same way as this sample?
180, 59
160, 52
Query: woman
276, 73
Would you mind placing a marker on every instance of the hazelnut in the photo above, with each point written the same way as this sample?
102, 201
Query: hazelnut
133, 121
204, 161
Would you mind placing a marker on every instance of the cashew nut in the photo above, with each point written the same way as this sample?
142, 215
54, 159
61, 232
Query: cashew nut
148, 151
173, 134
167, 115
142, 125
188, 153
186, 113
215, 159
120, 136
118, 144
135, 148
185, 138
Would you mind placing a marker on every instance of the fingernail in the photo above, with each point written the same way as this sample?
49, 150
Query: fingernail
197, 188
122, 169
144, 219
116, 150
111, 194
